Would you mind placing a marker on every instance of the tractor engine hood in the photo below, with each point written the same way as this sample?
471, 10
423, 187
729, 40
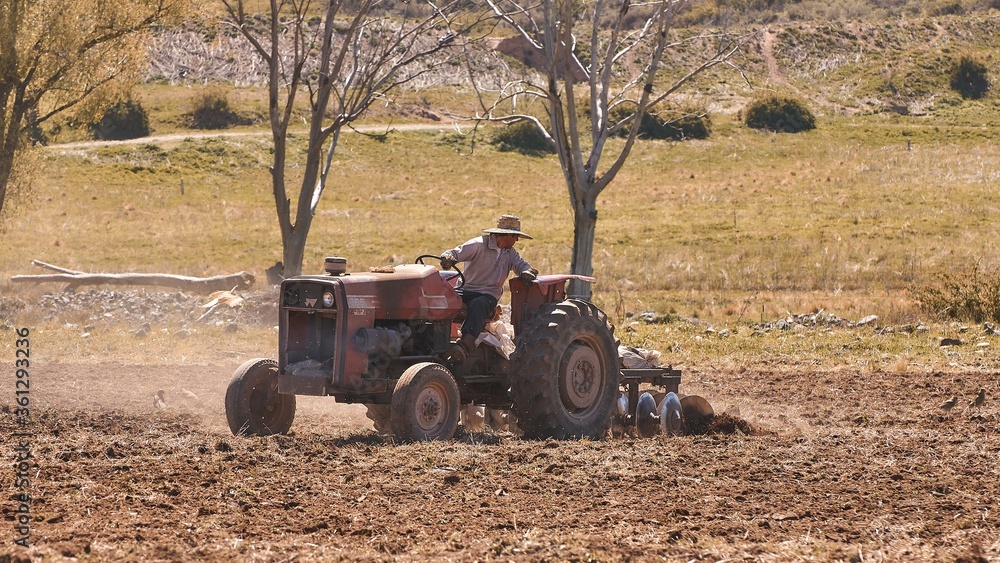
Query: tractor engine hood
411, 291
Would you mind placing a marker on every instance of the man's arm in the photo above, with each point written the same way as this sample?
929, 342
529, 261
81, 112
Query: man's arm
461, 253
520, 265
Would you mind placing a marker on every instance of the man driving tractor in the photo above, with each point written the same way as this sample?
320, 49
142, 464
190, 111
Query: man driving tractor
488, 259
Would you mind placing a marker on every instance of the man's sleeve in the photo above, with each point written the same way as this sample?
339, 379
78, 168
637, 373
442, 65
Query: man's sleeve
463, 252
521, 266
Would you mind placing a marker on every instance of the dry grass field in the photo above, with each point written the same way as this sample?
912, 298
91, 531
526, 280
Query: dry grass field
750, 260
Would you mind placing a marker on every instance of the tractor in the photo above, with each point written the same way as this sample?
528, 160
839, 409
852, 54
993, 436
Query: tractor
381, 338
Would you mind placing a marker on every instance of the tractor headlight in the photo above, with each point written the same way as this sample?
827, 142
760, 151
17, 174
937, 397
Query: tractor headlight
328, 299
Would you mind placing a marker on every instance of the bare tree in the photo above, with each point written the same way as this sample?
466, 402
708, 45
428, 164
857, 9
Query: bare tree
56, 56
621, 61
351, 56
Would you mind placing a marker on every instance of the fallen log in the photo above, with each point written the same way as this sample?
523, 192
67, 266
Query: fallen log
41, 264
73, 280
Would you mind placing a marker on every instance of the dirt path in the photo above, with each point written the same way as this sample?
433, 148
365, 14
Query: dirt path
774, 75
858, 465
179, 137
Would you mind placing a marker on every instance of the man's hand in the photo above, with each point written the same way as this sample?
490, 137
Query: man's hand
529, 276
447, 263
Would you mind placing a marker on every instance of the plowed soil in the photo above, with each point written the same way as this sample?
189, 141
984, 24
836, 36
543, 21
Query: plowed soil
842, 466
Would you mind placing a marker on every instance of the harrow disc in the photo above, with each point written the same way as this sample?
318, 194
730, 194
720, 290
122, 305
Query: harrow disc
646, 418
671, 415
697, 412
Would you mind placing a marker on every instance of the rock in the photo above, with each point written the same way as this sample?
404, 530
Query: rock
648, 316
142, 330
190, 395
870, 319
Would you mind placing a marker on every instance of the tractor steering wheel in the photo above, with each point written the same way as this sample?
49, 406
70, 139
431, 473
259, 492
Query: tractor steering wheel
461, 276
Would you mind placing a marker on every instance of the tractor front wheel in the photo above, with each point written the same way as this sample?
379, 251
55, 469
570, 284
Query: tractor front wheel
253, 405
425, 404
564, 376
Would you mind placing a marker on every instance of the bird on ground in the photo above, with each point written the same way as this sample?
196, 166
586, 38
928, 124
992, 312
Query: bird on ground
979, 400
949, 404
159, 400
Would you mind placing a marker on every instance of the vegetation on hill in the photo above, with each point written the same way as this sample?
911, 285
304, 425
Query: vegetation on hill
897, 58
716, 12
869, 67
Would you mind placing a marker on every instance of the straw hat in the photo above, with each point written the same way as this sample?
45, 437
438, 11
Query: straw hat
508, 225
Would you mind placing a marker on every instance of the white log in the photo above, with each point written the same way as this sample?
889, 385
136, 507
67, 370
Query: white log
241, 280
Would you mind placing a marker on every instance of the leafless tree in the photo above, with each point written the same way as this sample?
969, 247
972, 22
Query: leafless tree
332, 60
621, 59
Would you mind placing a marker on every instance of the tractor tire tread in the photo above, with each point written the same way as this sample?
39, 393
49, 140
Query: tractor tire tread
535, 365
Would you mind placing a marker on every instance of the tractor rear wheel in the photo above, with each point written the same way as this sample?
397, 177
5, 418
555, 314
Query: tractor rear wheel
380, 417
253, 405
425, 403
564, 376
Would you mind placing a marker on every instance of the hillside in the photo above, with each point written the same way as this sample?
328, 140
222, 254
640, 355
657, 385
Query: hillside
843, 67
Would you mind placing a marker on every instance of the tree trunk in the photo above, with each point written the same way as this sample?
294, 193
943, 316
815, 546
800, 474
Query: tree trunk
6, 165
584, 228
294, 245
294, 249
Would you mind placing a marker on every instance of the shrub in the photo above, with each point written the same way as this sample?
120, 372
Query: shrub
690, 125
35, 133
945, 8
523, 137
969, 78
676, 124
124, 120
970, 295
697, 14
778, 113
212, 111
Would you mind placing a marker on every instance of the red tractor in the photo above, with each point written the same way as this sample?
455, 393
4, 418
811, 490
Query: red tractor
381, 339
